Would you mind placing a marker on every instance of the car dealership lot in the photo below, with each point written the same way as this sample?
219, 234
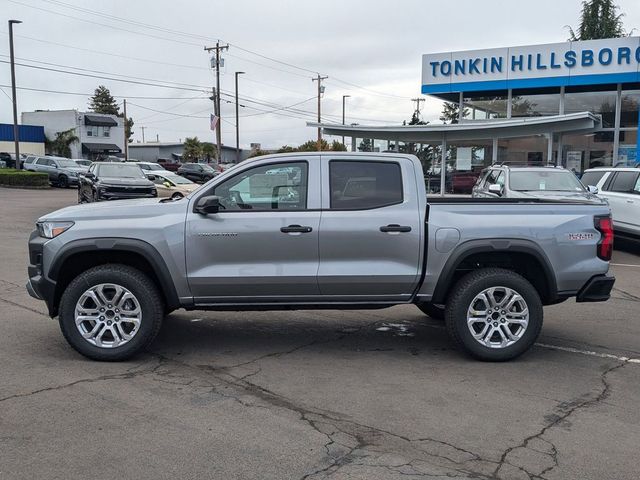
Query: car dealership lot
322, 394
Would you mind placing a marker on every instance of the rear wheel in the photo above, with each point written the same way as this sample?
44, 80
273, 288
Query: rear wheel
110, 312
63, 181
494, 314
433, 310
177, 195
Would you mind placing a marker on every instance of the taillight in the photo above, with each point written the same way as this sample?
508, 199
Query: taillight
605, 246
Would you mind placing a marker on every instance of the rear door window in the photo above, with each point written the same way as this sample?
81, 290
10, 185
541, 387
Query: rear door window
357, 185
592, 178
624, 182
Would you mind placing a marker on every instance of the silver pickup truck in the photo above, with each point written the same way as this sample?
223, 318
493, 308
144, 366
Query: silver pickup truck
318, 231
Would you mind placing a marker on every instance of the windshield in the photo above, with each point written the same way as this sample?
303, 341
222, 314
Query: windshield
65, 163
153, 166
207, 168
548, 180
177, 179
120, 170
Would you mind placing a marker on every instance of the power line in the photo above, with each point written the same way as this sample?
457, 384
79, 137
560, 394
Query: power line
44, 90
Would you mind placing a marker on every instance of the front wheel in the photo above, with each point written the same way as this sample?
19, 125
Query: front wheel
110, 312
177, 196
494, 314
63, 181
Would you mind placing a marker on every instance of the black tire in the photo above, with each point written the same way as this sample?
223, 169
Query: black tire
94, 196
433, 310
176, 196
464, 293
151, 304
63, 181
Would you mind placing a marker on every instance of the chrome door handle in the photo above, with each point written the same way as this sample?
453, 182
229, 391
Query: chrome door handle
630, 201
394, 227
296, 229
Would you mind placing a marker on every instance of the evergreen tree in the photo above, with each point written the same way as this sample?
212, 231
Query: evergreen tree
337, 146
103, 102
365, 145
451, 113
599, 19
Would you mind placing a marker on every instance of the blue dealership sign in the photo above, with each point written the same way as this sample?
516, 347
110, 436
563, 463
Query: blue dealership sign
614, 60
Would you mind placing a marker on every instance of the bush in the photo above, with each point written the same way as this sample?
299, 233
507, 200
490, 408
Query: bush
21, 178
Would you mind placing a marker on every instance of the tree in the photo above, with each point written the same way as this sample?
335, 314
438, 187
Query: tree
209, 150
287, 149
103, 102
451, 113
192, 149
337, 146
599, 19
365, 145
61, 145
312, 146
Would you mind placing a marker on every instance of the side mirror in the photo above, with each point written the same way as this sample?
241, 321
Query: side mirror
207, 205
495, 188
592, 189
90, 175
151, 177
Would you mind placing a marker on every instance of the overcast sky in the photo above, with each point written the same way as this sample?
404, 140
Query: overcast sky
370, 50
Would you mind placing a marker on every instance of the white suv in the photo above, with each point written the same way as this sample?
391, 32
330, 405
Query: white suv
621, 187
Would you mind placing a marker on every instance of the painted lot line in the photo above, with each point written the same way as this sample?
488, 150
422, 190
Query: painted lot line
624, 265
589, 353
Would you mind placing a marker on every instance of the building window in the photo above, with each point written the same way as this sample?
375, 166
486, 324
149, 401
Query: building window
629, 113
581, 152
544, 103
600, 103
107, 131
487, 106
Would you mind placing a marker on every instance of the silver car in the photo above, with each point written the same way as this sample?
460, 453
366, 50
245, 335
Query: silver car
505, 181
62, 171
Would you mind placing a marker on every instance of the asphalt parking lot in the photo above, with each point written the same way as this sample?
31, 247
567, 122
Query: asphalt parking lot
293, 395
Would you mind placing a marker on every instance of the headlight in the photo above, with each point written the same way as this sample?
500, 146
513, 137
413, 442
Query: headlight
73, 174
52, 229
154, 192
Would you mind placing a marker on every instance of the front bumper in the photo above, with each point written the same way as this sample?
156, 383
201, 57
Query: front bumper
123, 196
39, 286
597, 289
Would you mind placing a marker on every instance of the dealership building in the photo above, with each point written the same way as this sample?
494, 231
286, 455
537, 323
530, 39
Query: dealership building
573, 104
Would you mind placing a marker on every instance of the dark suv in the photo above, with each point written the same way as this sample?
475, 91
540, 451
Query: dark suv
197, 172
113, 181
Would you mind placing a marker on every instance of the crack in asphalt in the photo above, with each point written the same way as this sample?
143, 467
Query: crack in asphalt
24, 307
130, 373
566, 409
626, 295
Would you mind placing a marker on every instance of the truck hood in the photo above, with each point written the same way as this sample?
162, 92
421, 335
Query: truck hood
77, 170
118, 209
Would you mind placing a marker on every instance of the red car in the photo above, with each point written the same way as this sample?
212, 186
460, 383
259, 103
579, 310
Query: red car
170, 165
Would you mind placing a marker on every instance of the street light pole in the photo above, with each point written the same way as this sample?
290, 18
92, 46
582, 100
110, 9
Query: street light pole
343, 102
237, 122
16, 130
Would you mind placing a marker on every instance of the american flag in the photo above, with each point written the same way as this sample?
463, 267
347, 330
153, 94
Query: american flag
214, 121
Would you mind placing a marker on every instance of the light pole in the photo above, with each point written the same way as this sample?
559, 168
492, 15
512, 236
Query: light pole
344, 97
237, 122
16, 130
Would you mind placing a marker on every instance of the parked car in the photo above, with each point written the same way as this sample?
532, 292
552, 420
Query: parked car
462, 182
62, 172
170, 165
254, 240
621, 188
170, 184
82, 162
113, 181
150, 166
505, 181
28, 161
197, 172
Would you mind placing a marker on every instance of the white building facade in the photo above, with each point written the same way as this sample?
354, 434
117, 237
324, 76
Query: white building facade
100, 135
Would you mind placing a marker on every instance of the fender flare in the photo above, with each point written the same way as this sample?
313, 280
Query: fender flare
140, 247
493, 245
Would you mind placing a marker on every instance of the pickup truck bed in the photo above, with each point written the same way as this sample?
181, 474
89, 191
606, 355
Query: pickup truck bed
318, 230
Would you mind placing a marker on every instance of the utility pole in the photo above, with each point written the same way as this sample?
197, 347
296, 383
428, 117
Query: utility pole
237, 121
417, 100
16, 129
319, 79
142, 128
126, 139
218, 48
344, 97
